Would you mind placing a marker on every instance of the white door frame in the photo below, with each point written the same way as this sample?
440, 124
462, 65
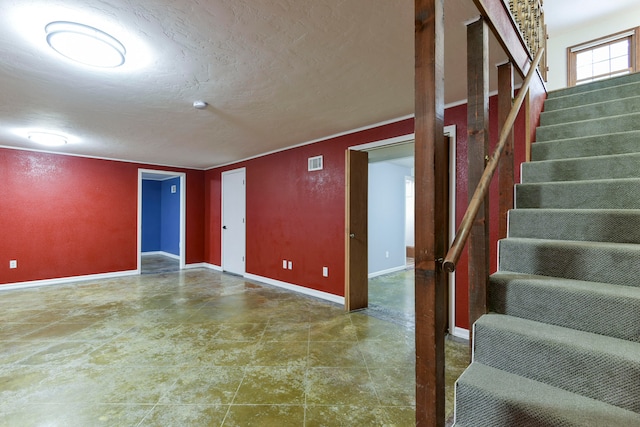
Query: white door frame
449, 131
222, 221
183, 210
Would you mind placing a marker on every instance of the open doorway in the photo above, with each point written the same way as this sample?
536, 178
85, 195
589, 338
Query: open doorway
161, 221
389, 248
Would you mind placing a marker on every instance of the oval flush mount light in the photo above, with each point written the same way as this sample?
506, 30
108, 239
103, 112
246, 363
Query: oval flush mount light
85, 44
48, 139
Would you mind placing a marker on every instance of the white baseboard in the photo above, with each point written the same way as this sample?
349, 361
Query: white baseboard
296, 288
63, 280
387, 271
211, 266
461, 333
167, 254
195, 265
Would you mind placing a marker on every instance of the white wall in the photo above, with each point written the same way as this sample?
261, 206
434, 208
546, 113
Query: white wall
410, 205
386, 217
558, 43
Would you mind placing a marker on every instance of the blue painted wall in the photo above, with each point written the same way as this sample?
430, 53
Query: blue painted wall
386, 218
170, 217
150, 215
161, 216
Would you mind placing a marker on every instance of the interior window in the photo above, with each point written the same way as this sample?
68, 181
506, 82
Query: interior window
603, 58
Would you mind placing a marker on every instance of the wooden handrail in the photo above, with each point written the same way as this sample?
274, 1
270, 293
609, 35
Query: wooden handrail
452, 257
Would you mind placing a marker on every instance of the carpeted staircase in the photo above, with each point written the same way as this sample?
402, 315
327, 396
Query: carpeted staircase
561, 345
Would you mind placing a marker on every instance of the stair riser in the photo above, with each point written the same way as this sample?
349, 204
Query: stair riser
570, 366
588, 225
628, 122
619, 143
607, 167
615, 264
617, 81
614, 194
602, 95
568, 304
591, 111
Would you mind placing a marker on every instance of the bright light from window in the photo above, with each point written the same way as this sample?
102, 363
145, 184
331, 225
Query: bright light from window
85, 44
602, 61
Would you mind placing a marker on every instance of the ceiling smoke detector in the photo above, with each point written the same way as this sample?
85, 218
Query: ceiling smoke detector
199, 105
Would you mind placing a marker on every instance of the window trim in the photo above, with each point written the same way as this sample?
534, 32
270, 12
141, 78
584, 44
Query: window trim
634, 50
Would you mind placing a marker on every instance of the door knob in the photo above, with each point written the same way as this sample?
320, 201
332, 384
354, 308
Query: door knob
352, 235
224, 227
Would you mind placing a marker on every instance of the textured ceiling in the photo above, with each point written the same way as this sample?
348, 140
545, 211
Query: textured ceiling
275, 73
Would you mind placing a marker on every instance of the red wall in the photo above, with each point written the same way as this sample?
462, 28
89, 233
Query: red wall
458, 116
293, 214
299, 216
64, 216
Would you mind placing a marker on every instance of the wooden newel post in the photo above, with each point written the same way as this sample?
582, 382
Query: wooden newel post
431, 221
477, 150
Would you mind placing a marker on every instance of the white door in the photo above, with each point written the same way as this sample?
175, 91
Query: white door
233, 221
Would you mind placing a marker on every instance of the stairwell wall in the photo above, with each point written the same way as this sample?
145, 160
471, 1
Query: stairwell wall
558, 43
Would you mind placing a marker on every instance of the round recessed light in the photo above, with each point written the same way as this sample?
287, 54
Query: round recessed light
85, 44
48, 139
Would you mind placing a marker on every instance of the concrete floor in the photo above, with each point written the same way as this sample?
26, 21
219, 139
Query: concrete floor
201, 348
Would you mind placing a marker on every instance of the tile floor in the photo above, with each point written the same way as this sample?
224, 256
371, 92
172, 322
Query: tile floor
201, 348
155, 263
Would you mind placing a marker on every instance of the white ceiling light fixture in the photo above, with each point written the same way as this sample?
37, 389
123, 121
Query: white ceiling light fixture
48, 139
85, 44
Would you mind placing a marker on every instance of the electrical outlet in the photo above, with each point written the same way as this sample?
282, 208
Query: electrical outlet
284, 264
13, 263
290, 265
386, 254
325, 271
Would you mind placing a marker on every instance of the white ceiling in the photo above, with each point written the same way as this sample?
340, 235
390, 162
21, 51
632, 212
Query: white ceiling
562, 15
276, 73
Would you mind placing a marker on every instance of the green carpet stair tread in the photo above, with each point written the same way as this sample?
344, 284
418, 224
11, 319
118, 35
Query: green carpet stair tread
595, 86
588, 194
599, 126
584, 168
561, 345
562, 302
614, 263
593, 96
592, 365
596, 225
599, 145
597, 110
489, 397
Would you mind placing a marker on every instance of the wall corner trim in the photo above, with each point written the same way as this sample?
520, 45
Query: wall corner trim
296, 288
203, 265
461, 333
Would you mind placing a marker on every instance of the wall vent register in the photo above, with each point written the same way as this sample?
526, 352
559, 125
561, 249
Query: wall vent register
315, 163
